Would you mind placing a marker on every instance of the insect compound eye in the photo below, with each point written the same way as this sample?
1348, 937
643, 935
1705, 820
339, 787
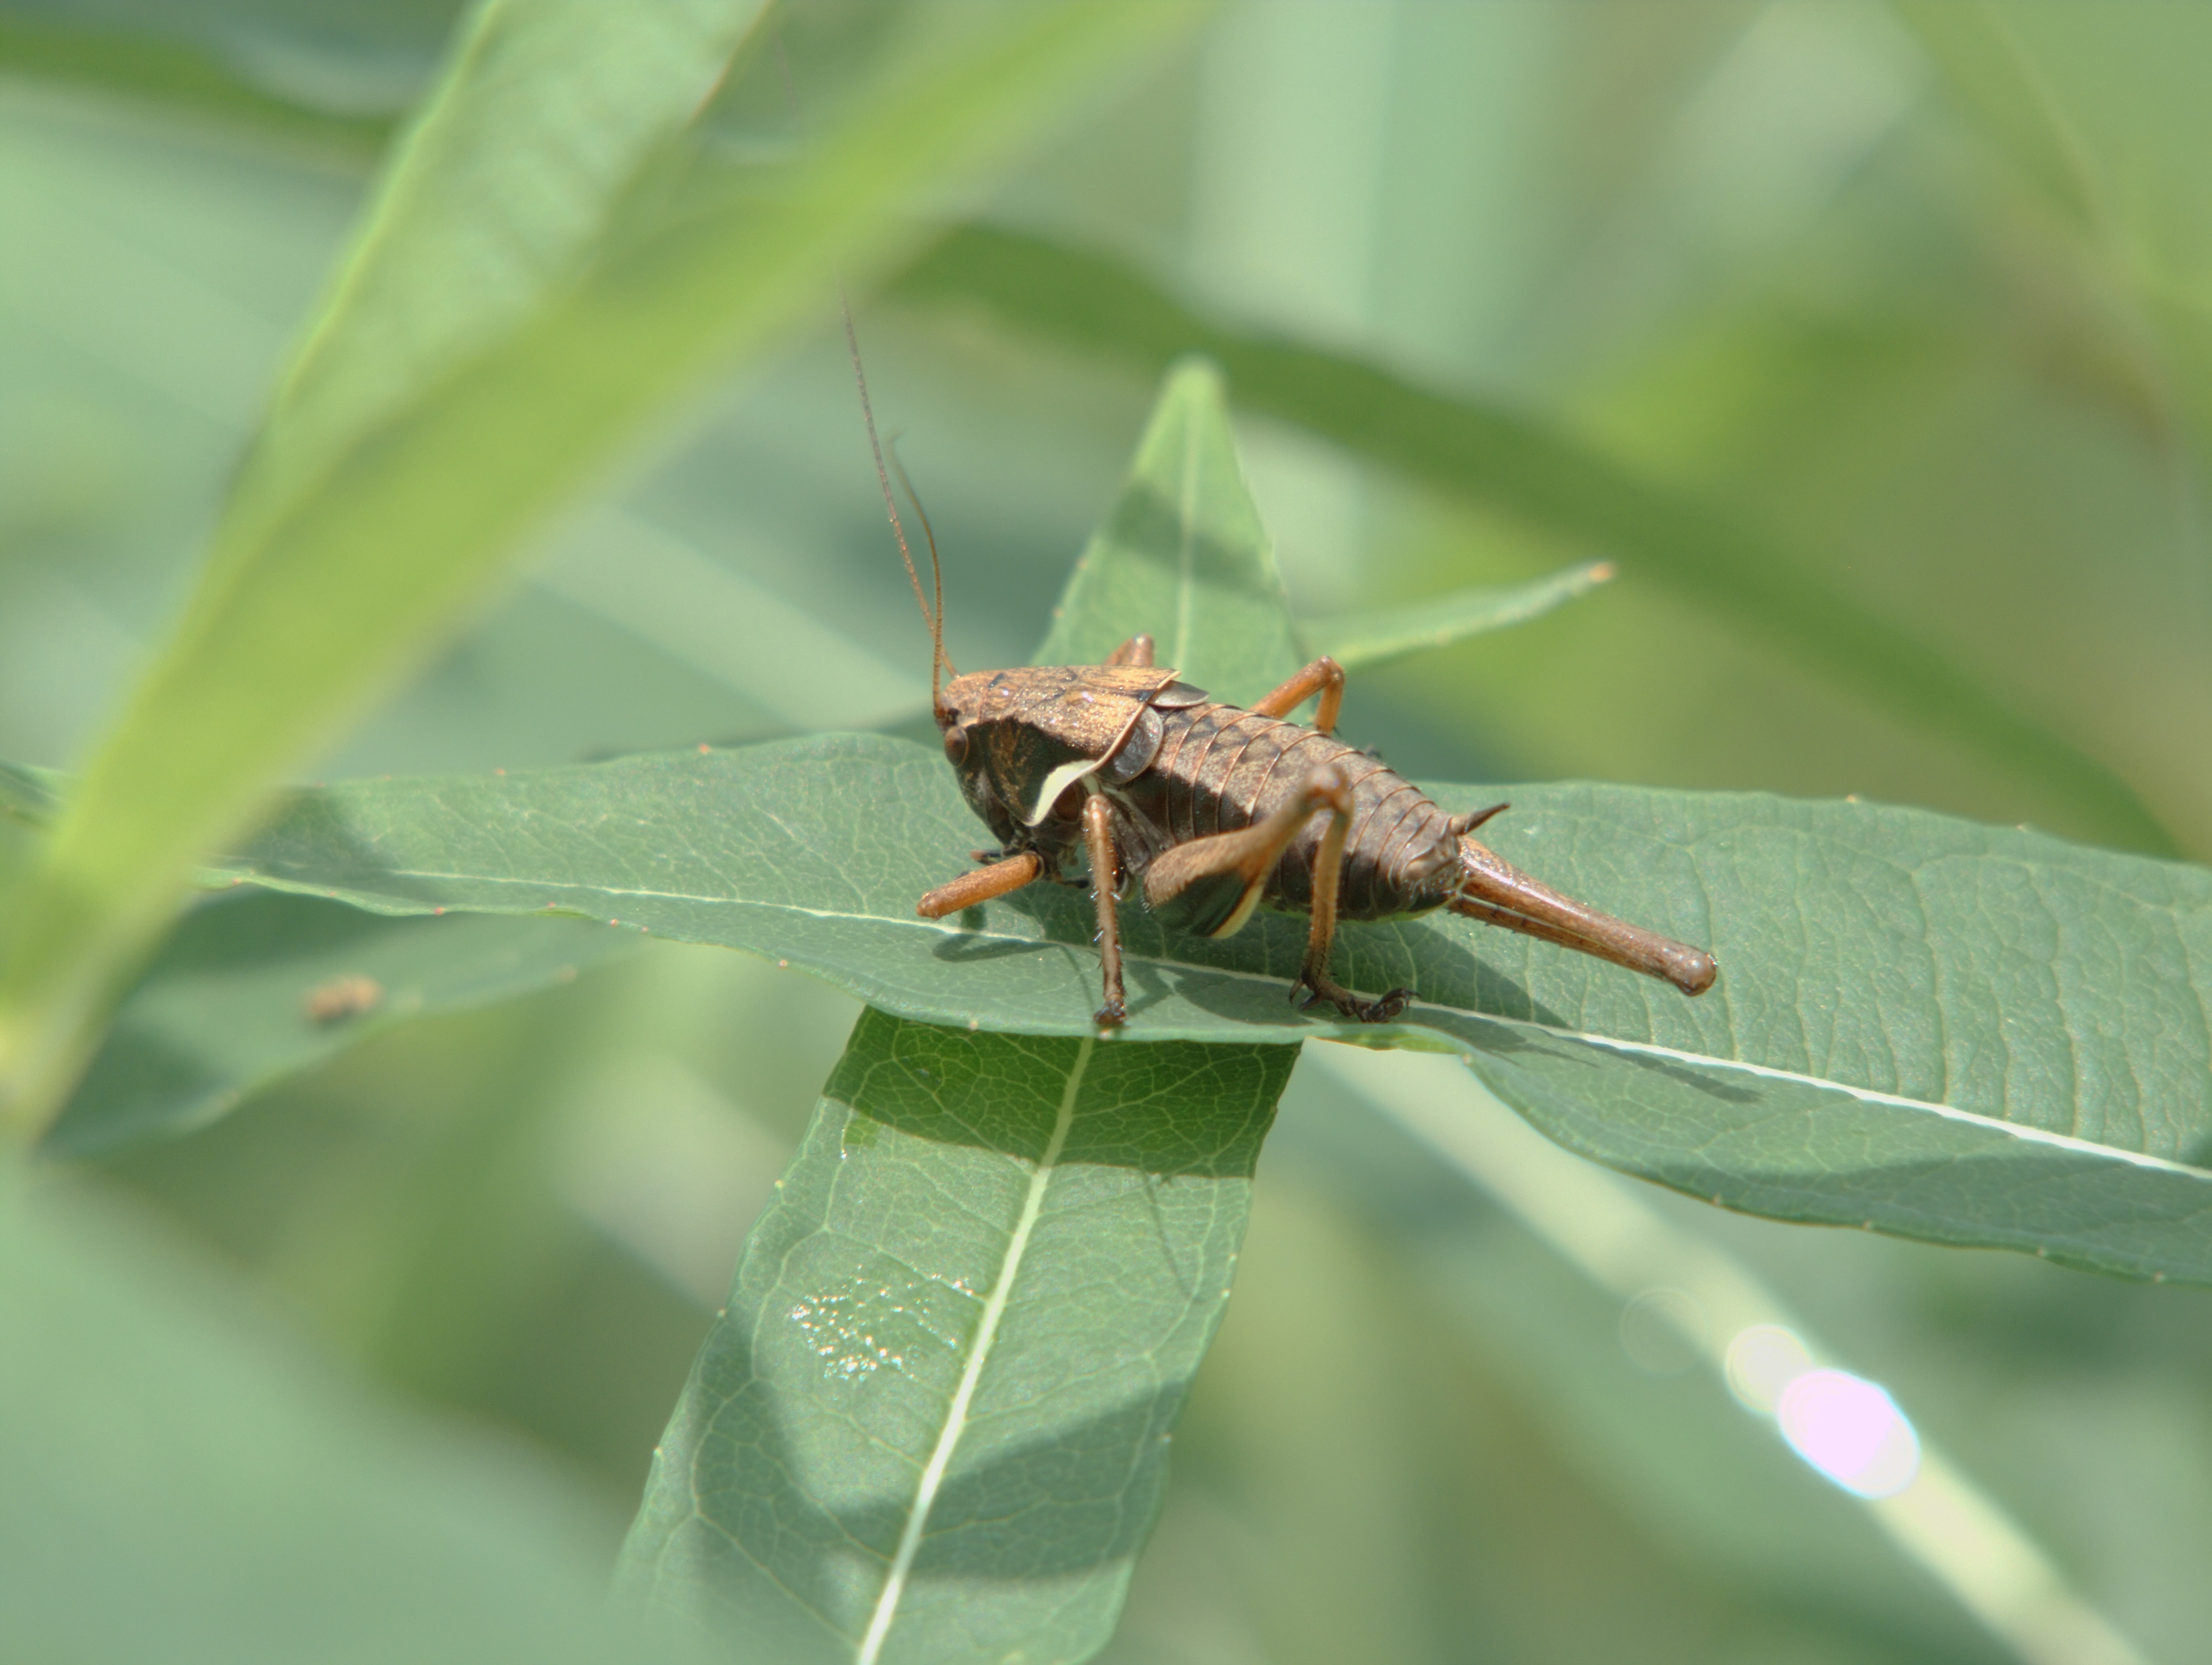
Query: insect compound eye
956, 745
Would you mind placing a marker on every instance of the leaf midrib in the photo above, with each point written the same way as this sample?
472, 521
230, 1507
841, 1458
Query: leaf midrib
971, 1373
1324, 1030
1865, 1094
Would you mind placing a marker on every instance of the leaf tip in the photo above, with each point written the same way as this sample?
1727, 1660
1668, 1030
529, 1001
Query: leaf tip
1196, 376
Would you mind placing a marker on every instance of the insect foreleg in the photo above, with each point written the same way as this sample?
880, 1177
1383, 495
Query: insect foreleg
1105, 879
1325, 677
1023, 868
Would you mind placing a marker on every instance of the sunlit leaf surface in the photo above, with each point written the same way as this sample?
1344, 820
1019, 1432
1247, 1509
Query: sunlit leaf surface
1753, 248
1876, 964
932, 1420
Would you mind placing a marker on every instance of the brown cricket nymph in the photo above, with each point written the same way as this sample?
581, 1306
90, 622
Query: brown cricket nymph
1122, 771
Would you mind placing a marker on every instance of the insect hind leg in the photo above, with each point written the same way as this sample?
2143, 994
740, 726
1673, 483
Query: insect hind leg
1330, 784
1212, 885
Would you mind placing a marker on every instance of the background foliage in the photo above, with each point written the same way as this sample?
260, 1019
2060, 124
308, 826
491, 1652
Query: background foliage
1867, 343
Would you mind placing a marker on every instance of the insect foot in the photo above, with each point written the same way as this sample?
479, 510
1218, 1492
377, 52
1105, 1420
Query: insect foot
1383, 1010
1112, 1015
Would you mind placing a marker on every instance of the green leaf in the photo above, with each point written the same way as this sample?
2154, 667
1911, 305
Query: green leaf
1508, 461
1182, 554
932, 1423
186, 1483
2104, 113
326, 575
30, 795
1969, 1033
229, 1004
156, 66
1363, 641
1000, 1477
502, 184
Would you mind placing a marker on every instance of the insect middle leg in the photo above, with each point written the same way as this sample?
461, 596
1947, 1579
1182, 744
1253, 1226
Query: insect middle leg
1212, 885
1105, 879
1324, 677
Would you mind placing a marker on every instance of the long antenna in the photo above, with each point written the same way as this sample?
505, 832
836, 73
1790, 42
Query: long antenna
929, 532
933, 619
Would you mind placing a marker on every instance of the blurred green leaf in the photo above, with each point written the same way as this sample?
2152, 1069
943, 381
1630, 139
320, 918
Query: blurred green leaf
30, 795
2105, 112
1690, 1455
1509, 461
1366, 641
932, 1423
1981, 56
503, 184
324, 577
158, 67
229, 1004
1183, 556
184, 1484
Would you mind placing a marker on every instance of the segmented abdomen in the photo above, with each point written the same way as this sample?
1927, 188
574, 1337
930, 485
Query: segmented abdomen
1220, 769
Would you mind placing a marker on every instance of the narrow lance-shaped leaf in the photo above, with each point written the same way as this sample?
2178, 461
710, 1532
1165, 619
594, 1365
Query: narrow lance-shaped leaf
1059, 1220
1182, 557
499, 188
931, 1423
1365, 641
1973, 1034
309, 605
